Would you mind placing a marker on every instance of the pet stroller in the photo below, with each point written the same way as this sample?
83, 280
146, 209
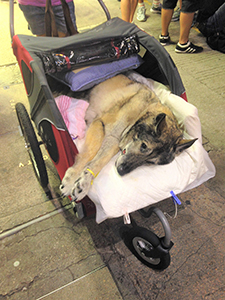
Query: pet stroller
114, 41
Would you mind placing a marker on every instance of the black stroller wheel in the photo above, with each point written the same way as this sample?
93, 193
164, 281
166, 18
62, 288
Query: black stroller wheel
143, 243
32, 145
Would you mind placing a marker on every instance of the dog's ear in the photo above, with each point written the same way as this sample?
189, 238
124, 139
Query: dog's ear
184, 144
160, 123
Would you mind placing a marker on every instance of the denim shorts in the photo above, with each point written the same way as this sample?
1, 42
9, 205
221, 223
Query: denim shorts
35, 16
188, 6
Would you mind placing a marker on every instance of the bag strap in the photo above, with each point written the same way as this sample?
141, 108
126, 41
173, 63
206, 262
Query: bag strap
50, 25
69, 24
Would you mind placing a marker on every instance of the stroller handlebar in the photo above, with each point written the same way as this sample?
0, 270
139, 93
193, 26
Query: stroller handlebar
11, 18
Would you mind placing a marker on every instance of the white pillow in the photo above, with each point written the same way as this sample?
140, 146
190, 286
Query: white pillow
115, 196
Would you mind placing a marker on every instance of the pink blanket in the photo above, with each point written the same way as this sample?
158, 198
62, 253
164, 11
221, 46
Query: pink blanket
73, 112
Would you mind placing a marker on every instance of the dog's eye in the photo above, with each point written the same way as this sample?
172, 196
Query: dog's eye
143, 147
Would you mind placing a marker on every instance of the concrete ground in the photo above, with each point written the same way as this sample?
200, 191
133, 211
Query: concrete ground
47, 253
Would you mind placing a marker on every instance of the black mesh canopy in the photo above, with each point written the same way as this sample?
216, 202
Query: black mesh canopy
111, 40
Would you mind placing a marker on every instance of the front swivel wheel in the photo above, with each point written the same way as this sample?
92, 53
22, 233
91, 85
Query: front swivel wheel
145, 245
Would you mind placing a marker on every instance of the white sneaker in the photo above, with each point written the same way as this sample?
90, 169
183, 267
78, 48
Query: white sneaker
156, 9
141, 14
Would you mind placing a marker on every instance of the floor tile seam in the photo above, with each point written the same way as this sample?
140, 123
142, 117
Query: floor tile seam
201, 71
74, 281
9, 64
208, 78
9, 132
218, 224
18, 228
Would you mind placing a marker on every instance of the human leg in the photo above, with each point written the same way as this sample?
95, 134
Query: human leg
35, 18
184, 45
215, 23
165, 20
164, 37
134, 4
60, 18
166, 15
176, 14
141, 17
128, 8
186, 19
185, 26
156, 7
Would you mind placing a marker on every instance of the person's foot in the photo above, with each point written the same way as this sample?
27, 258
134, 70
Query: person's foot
188, 48
164, 39
156, 9
141, 14
176, 15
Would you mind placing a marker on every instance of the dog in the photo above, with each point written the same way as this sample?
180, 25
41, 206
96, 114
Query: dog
123, 115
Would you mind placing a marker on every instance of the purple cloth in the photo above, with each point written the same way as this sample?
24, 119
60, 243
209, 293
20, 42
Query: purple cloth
93, 75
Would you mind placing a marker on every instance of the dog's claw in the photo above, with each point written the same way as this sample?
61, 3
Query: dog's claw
77, 187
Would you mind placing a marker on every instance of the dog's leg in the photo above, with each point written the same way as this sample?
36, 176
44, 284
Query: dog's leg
102, 143
82, 185
93, 142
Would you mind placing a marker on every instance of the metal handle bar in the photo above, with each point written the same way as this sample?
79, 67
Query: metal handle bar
11, 15
11, 18
105, 9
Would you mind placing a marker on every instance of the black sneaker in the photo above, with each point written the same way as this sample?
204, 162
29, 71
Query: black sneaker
164, 40
188, 48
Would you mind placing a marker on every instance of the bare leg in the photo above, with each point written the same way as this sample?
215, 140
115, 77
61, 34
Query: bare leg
166, 16
186, 20
128, 8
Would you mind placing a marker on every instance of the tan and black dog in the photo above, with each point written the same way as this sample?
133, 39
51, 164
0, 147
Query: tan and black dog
123, 115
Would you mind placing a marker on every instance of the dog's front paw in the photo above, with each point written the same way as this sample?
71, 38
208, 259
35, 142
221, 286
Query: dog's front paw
68, 182
82, 185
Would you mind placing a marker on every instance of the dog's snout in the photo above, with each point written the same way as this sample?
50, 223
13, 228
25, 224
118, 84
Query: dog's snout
121, 170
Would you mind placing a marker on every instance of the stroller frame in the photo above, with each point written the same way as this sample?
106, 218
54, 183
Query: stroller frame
158, 65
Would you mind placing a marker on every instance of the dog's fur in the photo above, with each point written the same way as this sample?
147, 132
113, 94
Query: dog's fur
125, 115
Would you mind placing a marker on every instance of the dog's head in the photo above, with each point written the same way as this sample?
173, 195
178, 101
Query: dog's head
151, 140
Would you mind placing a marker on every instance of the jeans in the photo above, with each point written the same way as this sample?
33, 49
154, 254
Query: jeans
215, 23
